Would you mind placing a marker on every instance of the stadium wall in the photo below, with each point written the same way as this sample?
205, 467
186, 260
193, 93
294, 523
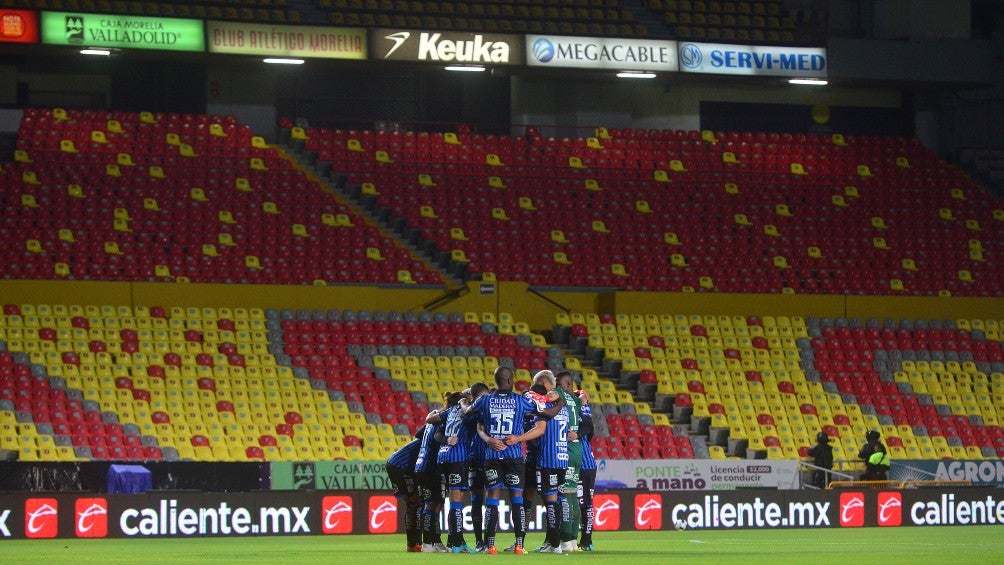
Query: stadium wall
572, 106
535, 307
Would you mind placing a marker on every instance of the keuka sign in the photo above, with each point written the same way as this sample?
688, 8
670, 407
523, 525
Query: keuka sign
448, 47
120, 31
242, 38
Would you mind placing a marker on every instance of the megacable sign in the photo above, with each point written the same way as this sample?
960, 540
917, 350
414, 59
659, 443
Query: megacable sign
601, 53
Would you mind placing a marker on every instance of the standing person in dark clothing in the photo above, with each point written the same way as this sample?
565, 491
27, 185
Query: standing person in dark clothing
455, 454
430, 483
477, 475
401, 471
875, 456
822, 456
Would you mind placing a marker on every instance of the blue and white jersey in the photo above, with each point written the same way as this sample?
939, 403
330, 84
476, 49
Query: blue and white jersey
456, 426
552, 446
428, 451
502, 413
404, 458
588, 461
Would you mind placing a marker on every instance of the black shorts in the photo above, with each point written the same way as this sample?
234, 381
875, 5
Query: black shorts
403, 482
455, 475
530, 475
508, 472
431, 486
476, 475
550, 481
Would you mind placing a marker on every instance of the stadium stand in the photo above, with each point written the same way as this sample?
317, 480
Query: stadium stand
263, 11
167, 197
758, 22
117, 383
231, 384
764, 386
581, 17
727, 21
664, 210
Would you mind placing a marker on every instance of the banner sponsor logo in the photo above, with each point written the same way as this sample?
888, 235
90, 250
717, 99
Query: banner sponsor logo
168, 517
647, 512
330, 475
852, 509
308, 513
383, 515
446, 47
91, 518
681, 475
950, 509
4, 527
18, 26
601, 53
755, 60
41, 518
980, 472
336, 515
721, 511
607, 512
890, 508
243, 38
303, 476
122, 31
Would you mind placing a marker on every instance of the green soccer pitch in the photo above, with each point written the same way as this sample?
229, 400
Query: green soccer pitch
961, 544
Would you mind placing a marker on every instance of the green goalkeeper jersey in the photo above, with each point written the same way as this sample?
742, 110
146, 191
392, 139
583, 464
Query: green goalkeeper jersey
574, 404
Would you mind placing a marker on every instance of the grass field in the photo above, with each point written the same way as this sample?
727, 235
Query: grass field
963, 544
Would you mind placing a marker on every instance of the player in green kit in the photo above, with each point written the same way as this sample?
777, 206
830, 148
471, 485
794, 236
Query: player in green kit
570, 516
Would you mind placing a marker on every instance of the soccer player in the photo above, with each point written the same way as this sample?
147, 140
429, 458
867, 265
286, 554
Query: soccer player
430, 483
477, 474
454, 455
401, 472
500, 413
587, 473
570, 517
531, 453
552, 463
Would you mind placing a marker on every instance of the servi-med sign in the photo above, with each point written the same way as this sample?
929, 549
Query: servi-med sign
753, 60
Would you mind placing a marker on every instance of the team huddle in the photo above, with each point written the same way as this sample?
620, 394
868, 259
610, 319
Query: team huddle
483, 440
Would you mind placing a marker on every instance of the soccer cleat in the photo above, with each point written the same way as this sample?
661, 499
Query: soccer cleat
543, 548
551, 549
518, 550
415, 548
588, 547
491, 550
463, 549
510, 548
569, 546
480, 548
434, 548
